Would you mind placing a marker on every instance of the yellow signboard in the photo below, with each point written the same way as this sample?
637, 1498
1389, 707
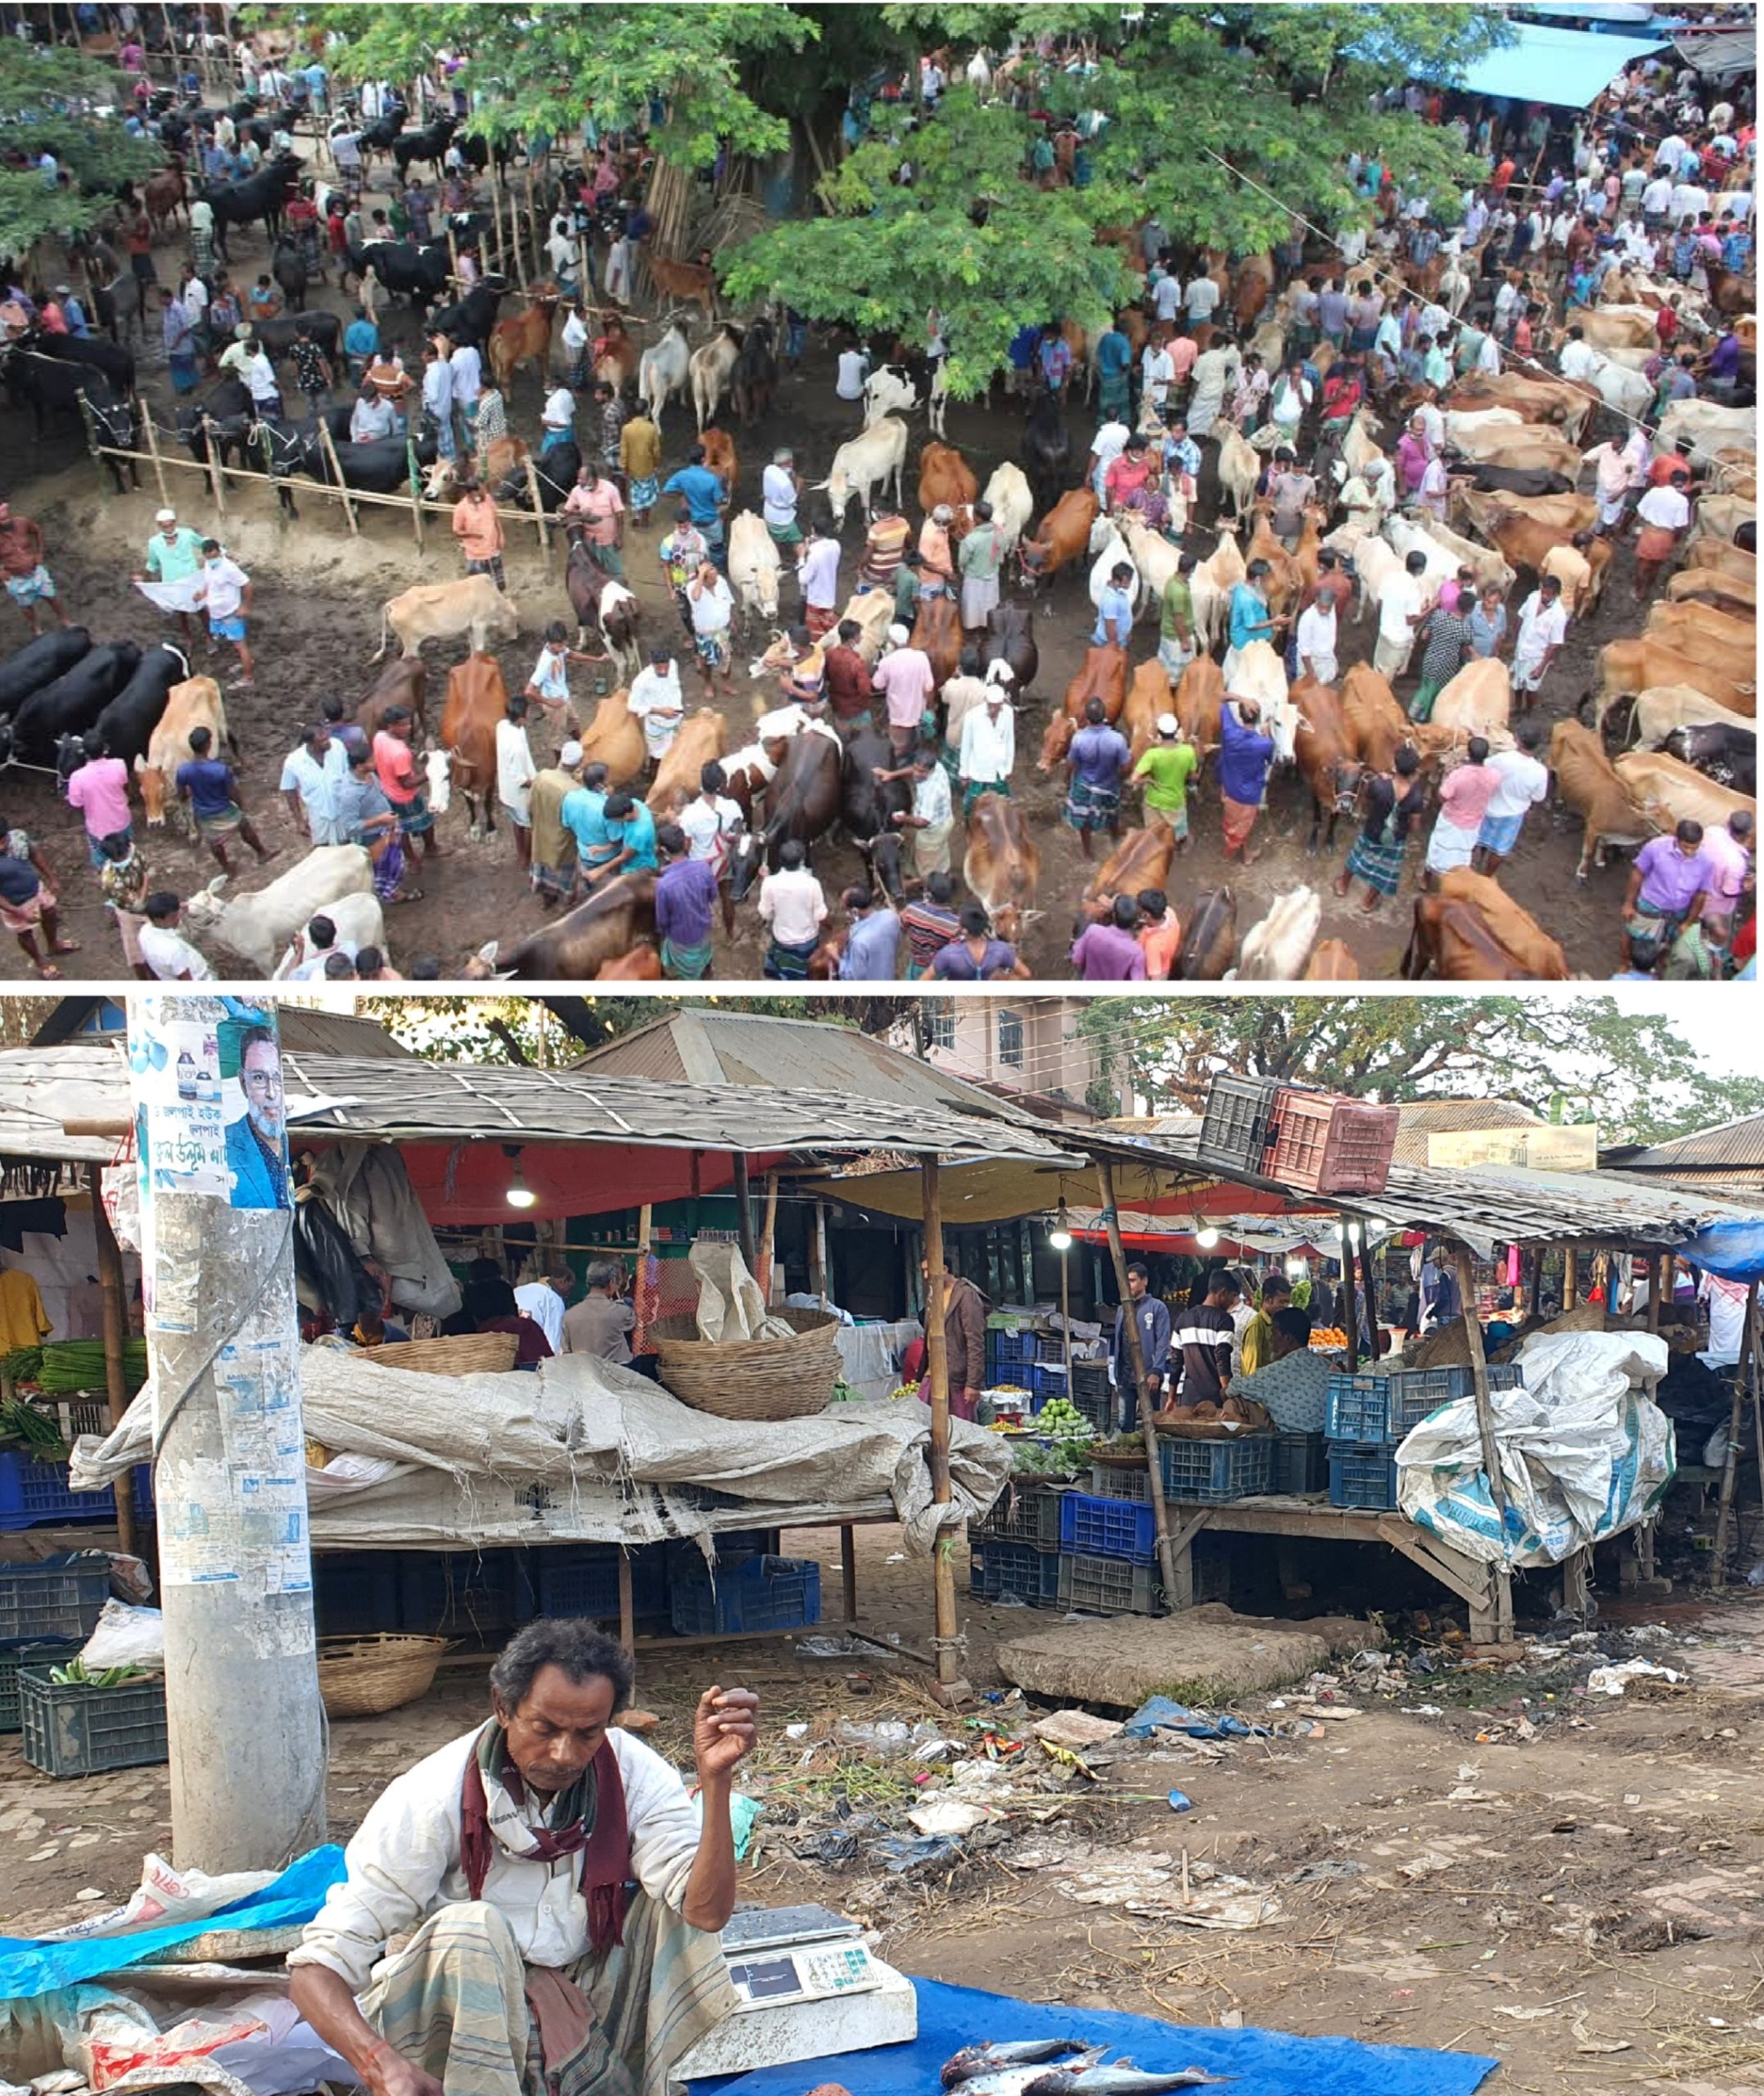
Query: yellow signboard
1543, 1149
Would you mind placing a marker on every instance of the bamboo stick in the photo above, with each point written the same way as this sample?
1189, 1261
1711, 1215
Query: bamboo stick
1485, 1411
153, 453
1745, 1372
330, 450
215, 474
539, 516
1130, 1326
951, 1687
416, 490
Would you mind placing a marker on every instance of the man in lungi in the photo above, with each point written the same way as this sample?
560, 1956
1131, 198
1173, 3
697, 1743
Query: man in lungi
562, 1903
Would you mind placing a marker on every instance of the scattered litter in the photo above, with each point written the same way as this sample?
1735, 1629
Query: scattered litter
1180, 1801
1075, 1728
1525, 2014
930, 1851
1159, 1714
92, 1892
821, 1647
795, 1732
934, 1752
1590, 2043
1614, 1680
1421, 1710
895, 1557
1320, 1873
952, 1817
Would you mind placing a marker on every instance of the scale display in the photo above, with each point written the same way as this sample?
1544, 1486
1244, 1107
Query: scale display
795, 1955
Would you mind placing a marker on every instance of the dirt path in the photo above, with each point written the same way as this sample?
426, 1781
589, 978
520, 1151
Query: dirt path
318, 594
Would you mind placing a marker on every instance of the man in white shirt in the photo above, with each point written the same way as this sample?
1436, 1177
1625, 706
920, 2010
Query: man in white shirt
710, 823
656, 699
372, 417
576, 338
989, 748
1157, 371
260, 376
1579, 360
1523, 784
505, 1865
556, 419
1167, 300
514, 774
1543, 627
1316, 641
438, 398
711, 607
780, 490
467, 367
1200, 299
793, 908
544, 1302
1400, 605
1656, 202
854, 368
1690, 199
1664, 515
311, 774
165, 951
1106, 447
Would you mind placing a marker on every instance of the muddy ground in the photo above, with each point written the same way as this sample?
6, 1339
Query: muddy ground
1584, 1902
316, 623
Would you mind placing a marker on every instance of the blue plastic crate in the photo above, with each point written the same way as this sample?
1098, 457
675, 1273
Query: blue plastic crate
1362, 1477
1106, 1528
32, 1493
1212, 1472
1300, 1464
1044, 1382
62, 1597
1380, 1408
1012, 1348
758, 1593
584, 1580
1013, 1568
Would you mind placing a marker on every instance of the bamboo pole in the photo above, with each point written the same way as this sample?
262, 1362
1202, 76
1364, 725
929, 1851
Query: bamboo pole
496, 218
214, 475
1350, 1322
539, 510
115, 1335
1745, 1373
819, 1277
744, 1212
1485, 1411
415, 491
1571, 1275
1129, 1325
1659, 1284
330, 450
768, 1236
951, 1687
153, 453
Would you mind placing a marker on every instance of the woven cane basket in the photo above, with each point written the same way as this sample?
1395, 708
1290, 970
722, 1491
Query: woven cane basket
364, 1677
751, 1379
471, 1353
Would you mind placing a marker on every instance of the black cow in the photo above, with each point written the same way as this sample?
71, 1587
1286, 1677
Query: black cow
261, 195
39, 662
428, 144
125, 726
230, 414
1519, 480
117, 424
754, 379
51, 385
68, 707
378, 136
118, 365
287, 265
277, 335
1729, 756
470, 319
1047, 453
556, 474
407, 271
867, 806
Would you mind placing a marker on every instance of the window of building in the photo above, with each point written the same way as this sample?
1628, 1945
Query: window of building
939, 1016
1011, 1039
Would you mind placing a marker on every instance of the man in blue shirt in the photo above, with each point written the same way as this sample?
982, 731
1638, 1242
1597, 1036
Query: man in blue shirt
1152, 1315
685, 906
1245, 754
361, 343
1093, 764
583, 812
630, 828
1114, 361
1114, 614
705, 496
872, 944
1181, 450
1250, 619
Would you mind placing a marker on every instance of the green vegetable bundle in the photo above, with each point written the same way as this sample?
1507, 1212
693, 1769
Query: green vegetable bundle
31, 1431
70, 1366
75, 1675
22, 1364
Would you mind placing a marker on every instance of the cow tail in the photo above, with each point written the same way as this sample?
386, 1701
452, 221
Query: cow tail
385, 633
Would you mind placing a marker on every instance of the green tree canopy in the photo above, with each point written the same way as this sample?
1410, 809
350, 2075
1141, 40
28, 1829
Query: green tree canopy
62, 103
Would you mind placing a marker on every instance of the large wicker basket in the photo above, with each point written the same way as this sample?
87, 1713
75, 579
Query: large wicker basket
751, 1379
365, 1677
470, 1354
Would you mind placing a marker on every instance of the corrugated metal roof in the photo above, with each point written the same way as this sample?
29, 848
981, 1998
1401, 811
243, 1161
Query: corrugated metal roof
1421, 1118
1736, 1145
42, 1087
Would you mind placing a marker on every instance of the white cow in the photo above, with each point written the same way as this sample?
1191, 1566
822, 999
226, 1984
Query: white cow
357, 922
712, 366
1277, 949
753, 567
1109, 551
888, 392
938, 405
662, 371
865, 466
438, 773
1620, 386
1700, 428
1013, 503
257, 927
1153, 556
1662, 709
1408, 538
1260, 674
1464, 425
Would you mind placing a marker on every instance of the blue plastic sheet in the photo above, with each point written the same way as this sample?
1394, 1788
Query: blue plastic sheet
1264, 2062
1733, 1250
1158, 1713
28, 1965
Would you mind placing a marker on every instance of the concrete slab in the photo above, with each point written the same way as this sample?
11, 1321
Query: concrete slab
1206, 1655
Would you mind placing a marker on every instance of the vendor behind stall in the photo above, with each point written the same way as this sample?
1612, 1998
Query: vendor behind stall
561, 1904
1204, 1333
964, 1338
1294, 1387
1152, 1315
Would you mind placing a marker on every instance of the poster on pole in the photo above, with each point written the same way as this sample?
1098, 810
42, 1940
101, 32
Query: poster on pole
211, 1121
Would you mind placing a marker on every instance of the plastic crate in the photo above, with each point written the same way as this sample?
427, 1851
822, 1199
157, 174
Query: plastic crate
585, 1582
1094, 1527
1013, 1568
1110, 1586
32, 1493
1012, 1349
1044, 1383
77, 1730
1383, 1406
1115, 1481
1050, 1347
1023, 1513
356, 1593
1237, 1126
1211, 1472
1098, 1406
45, 1652
1298, 1463
1089, 1379
1362, 1477
760, 1593
1332, 1145
61, 1598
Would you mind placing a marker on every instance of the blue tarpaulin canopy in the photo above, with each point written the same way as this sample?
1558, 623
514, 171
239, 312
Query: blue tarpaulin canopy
1565, 68
1733, 1250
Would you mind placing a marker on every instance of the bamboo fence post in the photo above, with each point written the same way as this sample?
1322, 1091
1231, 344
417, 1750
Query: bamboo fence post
416, 490
153, 453
1129, 1329
769, 1237
1350, 1323
951, 1687
1745, 1372
496, 215
216, 479
335, 464
538, 511
452, 252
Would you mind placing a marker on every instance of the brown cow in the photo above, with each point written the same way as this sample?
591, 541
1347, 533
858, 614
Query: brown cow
476, 700
1471, 930
616, 362
1526, 539
617, 920
1377, 726
642, 963
1282, 586
1705, 634
1713, 586
721, 455
684, 283
1147, 697
1583, 777
524, 338
1063, 536
165, 195
443, 611
1538, 400
700, 738
1708, 550
404, 681
1324, 750
1635, 664
1103, 676
1332, 962
1671, 792
1210, 943
196, 703
945, 476
615, 737
1056, 742
1200, 704
937, 631
1002, 865
1142, 860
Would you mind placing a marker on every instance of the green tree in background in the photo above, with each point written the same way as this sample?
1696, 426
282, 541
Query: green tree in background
50, 100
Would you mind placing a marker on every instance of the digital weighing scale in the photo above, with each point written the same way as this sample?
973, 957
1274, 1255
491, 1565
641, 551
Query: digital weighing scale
806, 1988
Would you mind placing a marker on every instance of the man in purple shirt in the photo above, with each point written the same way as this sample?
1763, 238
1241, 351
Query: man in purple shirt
1110, 952
685, 906
1245, 754
818, 571
1094, 765
872, 944
1667, 883
1727, 854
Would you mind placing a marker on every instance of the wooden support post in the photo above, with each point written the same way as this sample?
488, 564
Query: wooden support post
116, 1317
951, 1688
1350, 1321
768, 1239
817, 1254
1499, 1578
848, 1569
416, 490
744, 1213
453, 252
1368, 1291
1744, 1373
153, 453
627, 1607
216, 483
1571, 1275
1537, 1279
336, 465
539, 510
1659, 1286
1130, 1326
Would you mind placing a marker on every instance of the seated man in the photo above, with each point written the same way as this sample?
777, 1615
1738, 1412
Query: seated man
1294, 1387
561, 1905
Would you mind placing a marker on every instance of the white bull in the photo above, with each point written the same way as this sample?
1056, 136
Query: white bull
754, 567
662, 371
1661, 709
712, 366
864, 467
1013, 503
356, 920
257, 927
1276, 950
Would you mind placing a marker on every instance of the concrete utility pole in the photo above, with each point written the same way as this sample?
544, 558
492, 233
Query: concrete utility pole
241, 1674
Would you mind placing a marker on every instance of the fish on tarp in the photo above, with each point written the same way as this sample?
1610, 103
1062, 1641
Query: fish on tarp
1008, 2067
1120, 2079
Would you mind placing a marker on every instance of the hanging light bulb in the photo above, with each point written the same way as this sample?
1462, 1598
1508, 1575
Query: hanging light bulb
1059, 1232
1206, 1237
519, 1195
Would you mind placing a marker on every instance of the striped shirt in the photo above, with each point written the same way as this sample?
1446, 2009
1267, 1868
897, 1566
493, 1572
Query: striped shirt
1204, 1336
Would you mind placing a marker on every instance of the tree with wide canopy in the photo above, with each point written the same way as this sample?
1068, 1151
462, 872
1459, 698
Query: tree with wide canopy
66, 104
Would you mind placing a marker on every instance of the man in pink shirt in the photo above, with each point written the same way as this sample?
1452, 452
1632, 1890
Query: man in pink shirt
100, 790
906, 680
1183, 352
1465, 794
1727, 849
